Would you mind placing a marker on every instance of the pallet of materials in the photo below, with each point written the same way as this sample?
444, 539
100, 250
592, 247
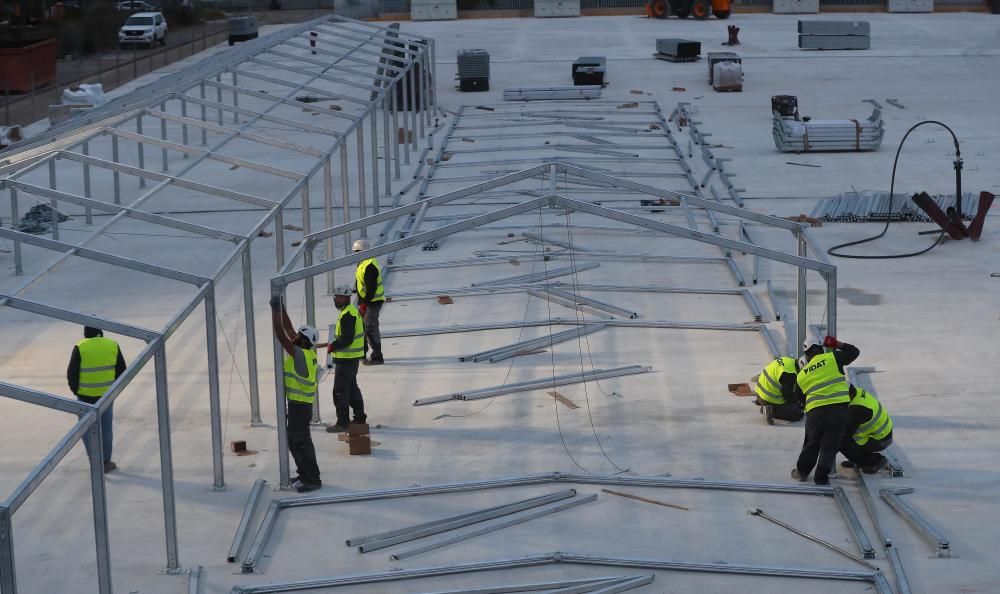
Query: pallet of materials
794, 136
834, 35
473, 70
551, 93
725, 71
678, 50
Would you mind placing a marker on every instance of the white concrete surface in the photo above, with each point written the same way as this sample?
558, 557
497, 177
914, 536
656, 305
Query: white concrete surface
928, 325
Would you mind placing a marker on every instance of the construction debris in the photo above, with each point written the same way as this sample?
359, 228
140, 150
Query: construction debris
801, 164
740, 389
801, 218
644, 499
628, 105
290, 227
895, 103
445, 300
264, 233
563, 400
39, 220
678, 89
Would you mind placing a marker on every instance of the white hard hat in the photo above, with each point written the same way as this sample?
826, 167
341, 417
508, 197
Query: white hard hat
344, 290
310, 333
361, 244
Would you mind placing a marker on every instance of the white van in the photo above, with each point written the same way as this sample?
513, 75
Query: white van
146, 28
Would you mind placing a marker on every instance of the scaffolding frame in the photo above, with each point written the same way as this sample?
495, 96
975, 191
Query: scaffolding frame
291, 274
188, 89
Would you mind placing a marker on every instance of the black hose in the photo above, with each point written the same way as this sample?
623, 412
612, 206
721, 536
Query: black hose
892, 187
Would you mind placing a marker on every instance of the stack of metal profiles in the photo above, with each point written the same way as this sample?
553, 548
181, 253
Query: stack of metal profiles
795, 136
473, 70
678, 50
874, 207
834, 35
537, 94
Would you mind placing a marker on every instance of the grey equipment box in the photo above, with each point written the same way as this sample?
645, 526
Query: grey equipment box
680, 48
242, 28
835, 42
911, 6
813, 27
796, 6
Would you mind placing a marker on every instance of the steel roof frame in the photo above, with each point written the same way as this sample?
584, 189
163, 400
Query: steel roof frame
59, 143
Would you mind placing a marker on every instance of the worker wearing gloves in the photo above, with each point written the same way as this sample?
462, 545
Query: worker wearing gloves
371, 298
300, 371
776, 393
827, 394
94, 366
868, 432
347, 349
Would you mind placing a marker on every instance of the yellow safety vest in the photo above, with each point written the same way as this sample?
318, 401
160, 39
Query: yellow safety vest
359, 276
879, 426
355, 350
823, 383
98, 357
297, 387
769, 382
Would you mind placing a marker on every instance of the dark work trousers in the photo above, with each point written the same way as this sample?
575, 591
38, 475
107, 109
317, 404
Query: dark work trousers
865, 455
300, 442
373, 338
789, 411
824, 432
107, 429
346, 393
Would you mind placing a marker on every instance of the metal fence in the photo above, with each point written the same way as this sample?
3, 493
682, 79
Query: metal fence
109, 69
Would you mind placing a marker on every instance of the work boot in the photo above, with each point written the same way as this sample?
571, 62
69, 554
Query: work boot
821, 480
338, 428
874, 468
307, 487
768, 411
360, 419
848, 464
109, 466
797, 476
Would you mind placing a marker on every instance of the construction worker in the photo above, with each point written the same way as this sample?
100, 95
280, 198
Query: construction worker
868, 432
95, 364
371, 297
827, 394
300, 392
776, 394
347, 349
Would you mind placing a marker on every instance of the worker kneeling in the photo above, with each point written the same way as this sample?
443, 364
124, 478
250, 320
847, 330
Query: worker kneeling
776, 394
869, 431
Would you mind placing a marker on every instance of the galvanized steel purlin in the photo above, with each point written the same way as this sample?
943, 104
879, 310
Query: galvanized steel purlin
103, 121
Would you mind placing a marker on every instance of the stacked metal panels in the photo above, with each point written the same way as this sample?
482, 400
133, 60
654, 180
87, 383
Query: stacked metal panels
536, 94
834, 35
874, 207
796, 136
678, 50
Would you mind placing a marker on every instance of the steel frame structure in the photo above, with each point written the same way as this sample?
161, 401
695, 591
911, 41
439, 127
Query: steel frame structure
256, 551
400, 57
549, 171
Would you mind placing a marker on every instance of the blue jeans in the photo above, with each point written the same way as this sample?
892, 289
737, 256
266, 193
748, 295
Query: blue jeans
107, 432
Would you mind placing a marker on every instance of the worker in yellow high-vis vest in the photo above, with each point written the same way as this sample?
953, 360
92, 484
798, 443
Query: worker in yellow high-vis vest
95, 364
868, 432
826, 393
347, 349
300, 377
371, 298
776, 393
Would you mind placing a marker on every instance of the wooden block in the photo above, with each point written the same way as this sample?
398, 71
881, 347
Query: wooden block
343, 437
238, 446
445, 300
740, 389
360, 445
356, 429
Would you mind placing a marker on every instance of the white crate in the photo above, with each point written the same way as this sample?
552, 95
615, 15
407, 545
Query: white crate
557, 8
911, 6
796, 6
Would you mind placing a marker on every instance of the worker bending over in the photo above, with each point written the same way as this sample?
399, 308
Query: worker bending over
827, 395
868, 432
300, 368
371, 298
94, 365
347, 348
776, 393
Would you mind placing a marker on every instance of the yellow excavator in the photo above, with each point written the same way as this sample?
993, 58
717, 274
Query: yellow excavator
699, 9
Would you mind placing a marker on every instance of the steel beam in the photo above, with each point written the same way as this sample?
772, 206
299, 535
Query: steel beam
102, 545
858, 531
166, 461
214, 404
324, 93
248, 511
256, 115
275, 142
928, 530
8, 573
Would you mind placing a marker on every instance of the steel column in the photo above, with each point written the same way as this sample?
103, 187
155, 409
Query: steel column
386, 154
86, 184
115, 175
411, 105
374, 156
142, 150
361, 177
393, 90
344, 190
251, 333
802, 321
184, 127
8, 575
284, 478
15, 216
279, 238
405, 106
54, 204
102, 544
204, 114
163, 136
166, 459
328, 216
831, 302
215, 408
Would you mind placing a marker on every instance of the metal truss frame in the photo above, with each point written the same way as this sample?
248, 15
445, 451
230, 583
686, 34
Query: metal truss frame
256, 551
289, 274
121, 121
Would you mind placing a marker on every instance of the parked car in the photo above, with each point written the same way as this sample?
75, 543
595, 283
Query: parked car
143, 28
136, 6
